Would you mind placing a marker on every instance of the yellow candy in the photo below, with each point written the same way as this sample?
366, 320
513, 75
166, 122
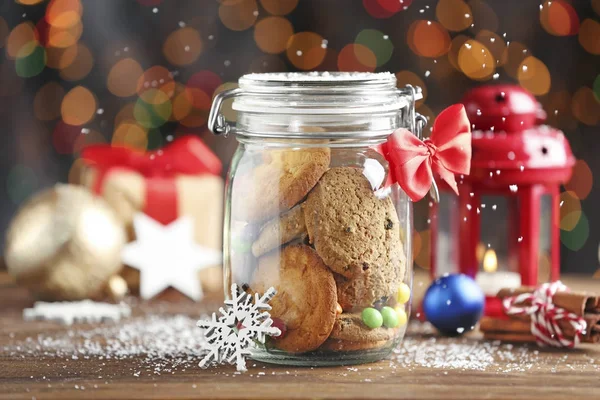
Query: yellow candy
403, 293
402, 317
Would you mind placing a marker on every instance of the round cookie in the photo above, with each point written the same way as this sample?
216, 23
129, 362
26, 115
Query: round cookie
376, 283
279, 182
306, 297
355, 232
280, 230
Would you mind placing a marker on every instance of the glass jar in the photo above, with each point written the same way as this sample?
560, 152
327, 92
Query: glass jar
309, 212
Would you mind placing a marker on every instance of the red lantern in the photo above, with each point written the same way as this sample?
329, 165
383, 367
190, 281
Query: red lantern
503, 228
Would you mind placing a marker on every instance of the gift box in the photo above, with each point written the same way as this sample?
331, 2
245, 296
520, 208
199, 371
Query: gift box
181, 179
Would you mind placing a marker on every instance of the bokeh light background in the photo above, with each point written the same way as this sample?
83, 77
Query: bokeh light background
141, 72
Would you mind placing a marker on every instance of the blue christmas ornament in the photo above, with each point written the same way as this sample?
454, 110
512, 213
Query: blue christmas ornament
453, 304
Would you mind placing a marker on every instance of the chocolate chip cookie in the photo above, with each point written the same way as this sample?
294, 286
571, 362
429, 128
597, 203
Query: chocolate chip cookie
306, 298
279, 182
351, 228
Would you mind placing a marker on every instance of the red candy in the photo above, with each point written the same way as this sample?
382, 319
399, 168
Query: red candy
281, 325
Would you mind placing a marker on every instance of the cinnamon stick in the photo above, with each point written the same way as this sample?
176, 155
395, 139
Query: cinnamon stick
578, 303
496, 326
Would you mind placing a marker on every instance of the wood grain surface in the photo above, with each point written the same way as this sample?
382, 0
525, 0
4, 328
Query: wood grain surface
514, 372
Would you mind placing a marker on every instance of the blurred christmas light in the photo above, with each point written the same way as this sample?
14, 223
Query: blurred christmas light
484, 16
131, 135
495, 44
47, 101
575, 238
559, 18
356, 57
378, 42
589, 32
385, 8
80, 66
183, 46
89, 138
31, 64
239, 15
476, 61
279, 7
305, 50
513, 57
21, 183
123, 77
534, 76
581, 181
156, 78
78, 106
64, 13
125, 115
64, 37
21, 41
570, 210
394, 6
457, 43
271, 34
153, 108
404, 78
428, 39
60, 58
596, 87
585, 107
454, 15
29, 2
206, 81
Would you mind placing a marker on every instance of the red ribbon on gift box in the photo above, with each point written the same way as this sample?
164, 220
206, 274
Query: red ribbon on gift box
446, 152
187, 155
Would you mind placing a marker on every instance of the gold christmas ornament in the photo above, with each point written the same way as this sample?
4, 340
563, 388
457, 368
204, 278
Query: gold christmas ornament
65, 244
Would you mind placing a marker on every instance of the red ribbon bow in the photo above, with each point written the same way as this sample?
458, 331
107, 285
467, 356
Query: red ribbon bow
446, 152
187, 155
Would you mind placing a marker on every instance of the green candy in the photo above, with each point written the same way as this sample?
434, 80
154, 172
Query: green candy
372, 317
390, 317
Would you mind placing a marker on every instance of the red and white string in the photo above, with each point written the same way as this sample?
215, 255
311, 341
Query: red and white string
545, 315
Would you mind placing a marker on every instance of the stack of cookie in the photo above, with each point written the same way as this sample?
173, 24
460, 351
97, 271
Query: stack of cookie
328, 244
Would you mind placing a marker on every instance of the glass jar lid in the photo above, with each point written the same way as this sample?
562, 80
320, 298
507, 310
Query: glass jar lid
316, 105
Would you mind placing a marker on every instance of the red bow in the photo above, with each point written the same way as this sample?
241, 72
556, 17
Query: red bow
187, 155
446, 152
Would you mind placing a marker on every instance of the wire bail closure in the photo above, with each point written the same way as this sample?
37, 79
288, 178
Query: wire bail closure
217, 123
416, 122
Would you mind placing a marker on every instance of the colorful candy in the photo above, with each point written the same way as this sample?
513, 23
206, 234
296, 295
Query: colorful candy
390, 317
402, 317
403, 294
372, 317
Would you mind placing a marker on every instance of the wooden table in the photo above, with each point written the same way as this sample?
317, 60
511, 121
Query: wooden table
431, 368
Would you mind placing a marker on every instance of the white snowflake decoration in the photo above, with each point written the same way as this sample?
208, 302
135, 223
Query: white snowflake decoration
227, 343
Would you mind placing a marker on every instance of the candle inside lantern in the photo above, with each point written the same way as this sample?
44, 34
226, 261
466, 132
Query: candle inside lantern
491, 280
